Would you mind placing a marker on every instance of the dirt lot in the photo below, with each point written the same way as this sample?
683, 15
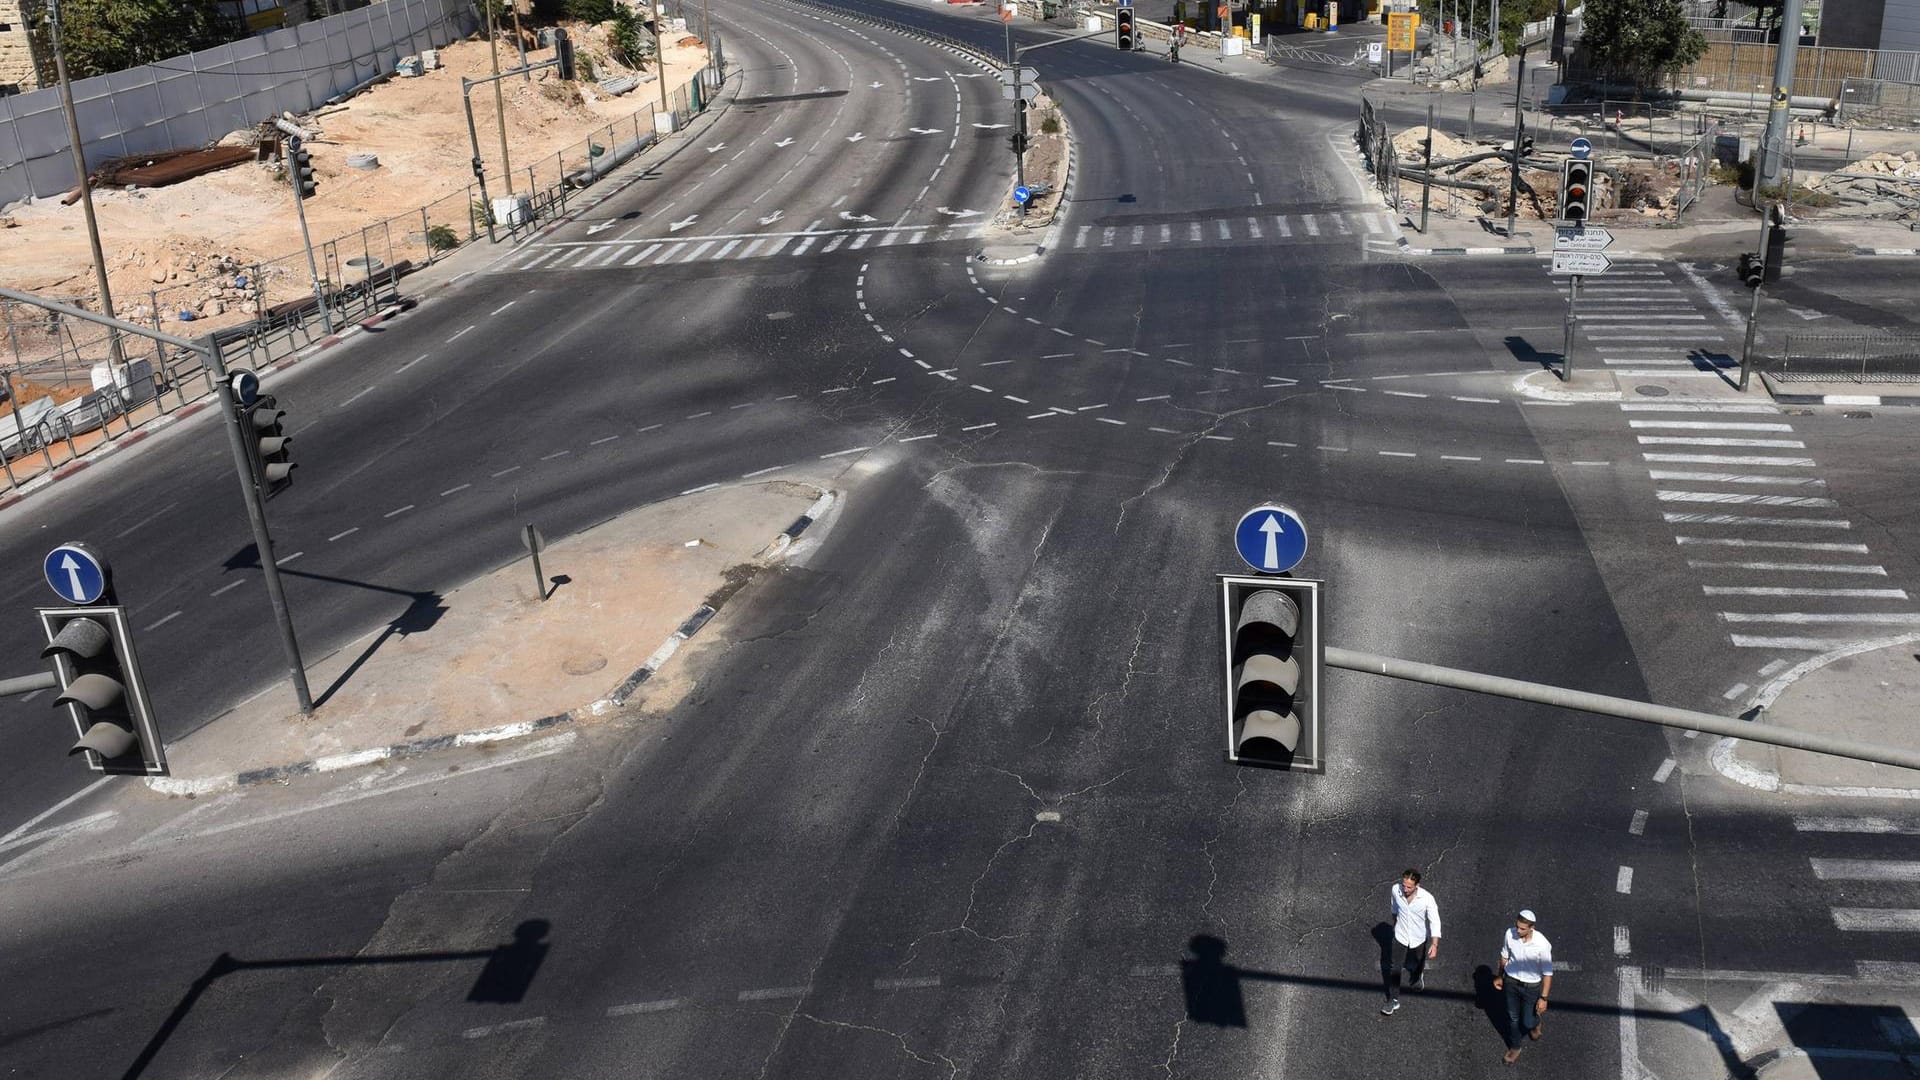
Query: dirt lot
193, 241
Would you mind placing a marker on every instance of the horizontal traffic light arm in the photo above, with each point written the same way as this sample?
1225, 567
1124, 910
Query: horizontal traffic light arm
1624, 708
29, 684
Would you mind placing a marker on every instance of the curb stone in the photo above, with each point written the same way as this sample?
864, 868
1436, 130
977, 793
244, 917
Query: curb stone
169, 785
1746, 774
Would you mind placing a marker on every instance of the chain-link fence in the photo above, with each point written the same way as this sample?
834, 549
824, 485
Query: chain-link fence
1878, 103
66, 394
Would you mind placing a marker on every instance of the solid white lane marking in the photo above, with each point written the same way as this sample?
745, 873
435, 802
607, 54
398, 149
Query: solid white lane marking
701, 488
1877, 920
1627, 981
1865, 869
1790, 545
1696, 406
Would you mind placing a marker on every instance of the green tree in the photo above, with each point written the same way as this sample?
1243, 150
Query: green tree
1640, 40
101, 36
1514, 17
589, 11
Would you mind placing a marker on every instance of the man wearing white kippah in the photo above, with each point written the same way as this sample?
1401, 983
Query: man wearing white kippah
1526, 974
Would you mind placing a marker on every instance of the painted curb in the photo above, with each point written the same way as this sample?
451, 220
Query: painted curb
1528, 250
1848, 399
170, 785
1895, 252
1726, 762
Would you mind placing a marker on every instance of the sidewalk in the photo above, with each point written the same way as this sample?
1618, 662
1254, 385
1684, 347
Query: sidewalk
1864, 691
491, 661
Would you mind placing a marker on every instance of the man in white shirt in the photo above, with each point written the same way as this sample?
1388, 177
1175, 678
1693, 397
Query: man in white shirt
1416, 937
1526, 974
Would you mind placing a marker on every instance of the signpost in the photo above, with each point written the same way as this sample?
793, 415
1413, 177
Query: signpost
1577, 250
76, 574
1021, 194
1272, 538
535, 543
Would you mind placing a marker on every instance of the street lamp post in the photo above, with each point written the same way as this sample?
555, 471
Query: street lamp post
84, 186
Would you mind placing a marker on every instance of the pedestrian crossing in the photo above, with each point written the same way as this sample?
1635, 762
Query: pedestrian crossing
662, 251
1640, 317
1750, 514
1872, 896
1230, 229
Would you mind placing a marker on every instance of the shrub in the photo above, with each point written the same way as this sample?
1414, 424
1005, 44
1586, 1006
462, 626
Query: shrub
589, 11
442, 238
1050, 123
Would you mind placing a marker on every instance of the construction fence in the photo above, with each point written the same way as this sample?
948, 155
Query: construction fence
1747, 68
68, 398
190, 101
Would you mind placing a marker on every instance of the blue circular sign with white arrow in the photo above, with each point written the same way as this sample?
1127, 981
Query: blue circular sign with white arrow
76, 574
1022, 194
1272, 539
1582, 148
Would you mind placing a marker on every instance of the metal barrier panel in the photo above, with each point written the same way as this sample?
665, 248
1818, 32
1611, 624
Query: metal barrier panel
1860, 358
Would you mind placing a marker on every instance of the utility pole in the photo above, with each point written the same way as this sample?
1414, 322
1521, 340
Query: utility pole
1019, 111
1519, 129
660, 57
519, 40
86, 188
1753, 314
1779, 112
499, 99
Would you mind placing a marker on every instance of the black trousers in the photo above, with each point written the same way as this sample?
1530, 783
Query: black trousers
1522, 1014
1411, 958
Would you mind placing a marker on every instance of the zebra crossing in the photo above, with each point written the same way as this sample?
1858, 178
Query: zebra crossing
1228, 229
662, 251
1774, 553
1637, 318
1871, 896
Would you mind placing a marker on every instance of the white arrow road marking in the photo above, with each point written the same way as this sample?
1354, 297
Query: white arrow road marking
970, 75
601, 227
856, 136
1273, 529
771, 218
682, 223
72, 565
873, 85
716, 148
925, 131
784, 143
845, 216
926, 78
819, 89
958, 213
989, 127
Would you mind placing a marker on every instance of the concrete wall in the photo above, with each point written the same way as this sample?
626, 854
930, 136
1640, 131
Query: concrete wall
1851, 24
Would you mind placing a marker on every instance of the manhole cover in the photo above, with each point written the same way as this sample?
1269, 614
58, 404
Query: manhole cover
1857, 414
1651, 391
584, 665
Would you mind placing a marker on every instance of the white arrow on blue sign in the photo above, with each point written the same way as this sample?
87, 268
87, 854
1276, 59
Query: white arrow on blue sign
1021, 194
1582, 148
76, 574
1272, 539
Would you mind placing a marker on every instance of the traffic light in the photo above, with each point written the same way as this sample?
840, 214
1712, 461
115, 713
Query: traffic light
303, 181
563, 52
1749, 268
1776, 243
1274, 662
263, 425
1123, 28
1018, 140
101, 689
1576, 190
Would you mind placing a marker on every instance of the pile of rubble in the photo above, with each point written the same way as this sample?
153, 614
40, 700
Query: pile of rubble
1880, 185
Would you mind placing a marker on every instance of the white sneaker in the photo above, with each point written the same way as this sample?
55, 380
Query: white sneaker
1390, 1007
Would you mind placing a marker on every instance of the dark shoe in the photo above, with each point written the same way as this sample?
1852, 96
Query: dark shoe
1390, 1007
1511, 1056
1535, 1033
1419, 982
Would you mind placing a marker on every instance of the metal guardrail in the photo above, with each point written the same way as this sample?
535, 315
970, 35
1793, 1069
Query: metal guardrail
1858, 358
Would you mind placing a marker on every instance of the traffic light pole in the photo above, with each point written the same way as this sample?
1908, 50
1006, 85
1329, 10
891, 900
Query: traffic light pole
1753, 313
306, 239
1566, 350
1519, 129
473, 132
1020, 103
1624, 708
208, 349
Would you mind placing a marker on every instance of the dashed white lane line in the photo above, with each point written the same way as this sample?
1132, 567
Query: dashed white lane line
162, 621
773, 992
455, 490
917, 438
1665, 770
1638, 826
510, 1025
1736, 690
605, 439
555, 454
980, 427
503, 472
458, 335
236, 584
285, 559
396, 513
1623, 881
362, 393
1016, 400
411, 362
501, 308
919, 982
843, 453
701, 488
662, 1005
768, 469
331, 539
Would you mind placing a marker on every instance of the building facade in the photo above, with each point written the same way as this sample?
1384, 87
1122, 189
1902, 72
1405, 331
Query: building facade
19, 52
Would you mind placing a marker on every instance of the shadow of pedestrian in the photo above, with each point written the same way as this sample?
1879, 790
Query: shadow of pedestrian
1383, 937
1489, 1001
1212, 986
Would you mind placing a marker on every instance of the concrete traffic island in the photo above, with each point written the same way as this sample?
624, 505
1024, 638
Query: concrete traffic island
492, 661
1011, 239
